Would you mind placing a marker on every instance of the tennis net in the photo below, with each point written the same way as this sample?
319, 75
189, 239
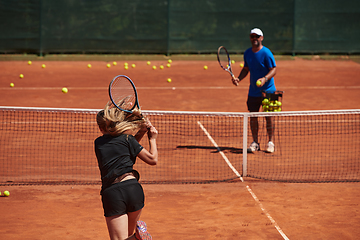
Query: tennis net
55, 146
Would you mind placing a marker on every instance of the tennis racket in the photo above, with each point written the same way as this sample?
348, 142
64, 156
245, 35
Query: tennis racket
224, 60
123, 94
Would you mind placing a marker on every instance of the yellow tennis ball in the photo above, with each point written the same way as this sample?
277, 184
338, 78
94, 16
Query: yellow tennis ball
29, 62
64, 90
12, 84
258, 83
89, 65
126, 64
154, 67
148, 62
161, 67
43, 66
21, 76
205, 67
169, 61
114, 63
6, 193
232, 61
133, 65
126, 67
241, 65
168, 65
108, 65
169, 80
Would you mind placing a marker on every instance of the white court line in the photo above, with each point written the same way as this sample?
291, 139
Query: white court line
266, 213
242, 180
221, 152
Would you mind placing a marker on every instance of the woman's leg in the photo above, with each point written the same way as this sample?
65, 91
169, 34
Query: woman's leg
117, 227
133, 217
123, 226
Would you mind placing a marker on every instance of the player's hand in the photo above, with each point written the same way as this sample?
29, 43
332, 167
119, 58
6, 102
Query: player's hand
152, 133
235, 81
260, 82
148, 123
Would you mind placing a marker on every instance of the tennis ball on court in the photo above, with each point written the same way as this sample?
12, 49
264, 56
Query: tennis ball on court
114, 63
89, 65
21, 75
6, 193
64, 90
126, 67
169, 61
258, 83
241, 65
126, 64
168, 65
161, 67
148, 62
169, 80
232, 61
43, 66
205, 67
108, 65
154, 67
133, 65
29, 62
12, 84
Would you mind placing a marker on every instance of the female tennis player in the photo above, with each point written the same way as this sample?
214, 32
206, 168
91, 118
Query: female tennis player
116, 151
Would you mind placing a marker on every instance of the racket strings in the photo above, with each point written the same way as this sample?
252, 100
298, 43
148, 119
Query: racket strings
123, 93
224, 59
127, 102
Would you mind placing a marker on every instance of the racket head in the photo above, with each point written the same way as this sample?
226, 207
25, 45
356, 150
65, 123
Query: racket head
123, 94
224, 59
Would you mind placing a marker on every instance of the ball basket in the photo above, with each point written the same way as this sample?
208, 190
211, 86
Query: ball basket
272, 101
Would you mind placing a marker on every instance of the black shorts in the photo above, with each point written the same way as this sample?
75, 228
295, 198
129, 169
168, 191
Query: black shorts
123, 197
254, 103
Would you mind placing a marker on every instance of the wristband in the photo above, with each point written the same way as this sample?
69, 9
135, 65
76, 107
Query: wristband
265, 79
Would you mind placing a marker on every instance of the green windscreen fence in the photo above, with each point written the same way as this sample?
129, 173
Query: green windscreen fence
177, 26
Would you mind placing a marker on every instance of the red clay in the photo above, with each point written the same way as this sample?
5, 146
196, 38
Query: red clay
209, 211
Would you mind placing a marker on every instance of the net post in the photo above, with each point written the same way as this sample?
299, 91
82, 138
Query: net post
245, 134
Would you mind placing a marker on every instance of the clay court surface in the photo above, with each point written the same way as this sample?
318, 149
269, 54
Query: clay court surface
190, 211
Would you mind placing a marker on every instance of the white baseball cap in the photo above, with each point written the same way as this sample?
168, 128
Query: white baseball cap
257, 31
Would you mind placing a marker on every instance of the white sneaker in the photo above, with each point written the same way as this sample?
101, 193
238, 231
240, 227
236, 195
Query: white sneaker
270, 147
254, 146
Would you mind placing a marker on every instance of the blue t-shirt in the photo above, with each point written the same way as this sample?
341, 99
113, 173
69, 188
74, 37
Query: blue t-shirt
259, 64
